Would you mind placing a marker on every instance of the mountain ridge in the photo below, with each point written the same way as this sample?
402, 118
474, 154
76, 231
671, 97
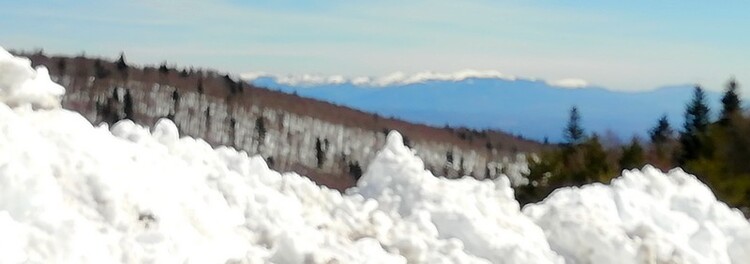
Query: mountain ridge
533, 108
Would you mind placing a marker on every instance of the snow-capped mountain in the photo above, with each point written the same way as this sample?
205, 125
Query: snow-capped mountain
534, 108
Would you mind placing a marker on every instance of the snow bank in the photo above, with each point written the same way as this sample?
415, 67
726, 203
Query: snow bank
483, 215
74, 193
643, 217
20, 84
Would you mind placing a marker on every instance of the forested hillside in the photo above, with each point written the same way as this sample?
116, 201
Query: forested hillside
329, 143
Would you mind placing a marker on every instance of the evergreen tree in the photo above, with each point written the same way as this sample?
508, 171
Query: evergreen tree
319, 153
163, 69
662, 138
120, 63
730, 103
692, 138
632, 156
128, 105
260, 128
596, 167
662, 132
574, 134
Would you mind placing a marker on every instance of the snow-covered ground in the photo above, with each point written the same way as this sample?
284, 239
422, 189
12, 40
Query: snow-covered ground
74, 193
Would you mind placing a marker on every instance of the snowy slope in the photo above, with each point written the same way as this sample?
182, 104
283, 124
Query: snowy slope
74, 193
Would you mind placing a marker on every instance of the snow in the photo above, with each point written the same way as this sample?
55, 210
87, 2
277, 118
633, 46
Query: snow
643, 217
569, 83
395, 78
71, 192
21, 84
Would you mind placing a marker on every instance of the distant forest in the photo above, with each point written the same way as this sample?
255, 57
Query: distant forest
716, 151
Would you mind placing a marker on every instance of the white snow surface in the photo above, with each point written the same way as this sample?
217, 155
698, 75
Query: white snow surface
21, 84
395, 78
74, 193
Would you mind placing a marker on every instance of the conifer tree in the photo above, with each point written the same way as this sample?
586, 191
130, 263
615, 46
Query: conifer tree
596, 167
128, 105
662, 132
121, 65
730, 103
692, 138
574, 134
632, 155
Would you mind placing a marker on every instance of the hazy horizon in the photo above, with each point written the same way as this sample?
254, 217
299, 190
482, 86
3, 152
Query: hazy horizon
621, 46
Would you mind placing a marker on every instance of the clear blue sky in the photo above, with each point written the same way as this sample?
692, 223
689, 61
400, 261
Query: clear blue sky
628, 45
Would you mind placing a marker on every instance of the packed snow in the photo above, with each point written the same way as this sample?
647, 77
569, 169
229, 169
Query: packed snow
71, 192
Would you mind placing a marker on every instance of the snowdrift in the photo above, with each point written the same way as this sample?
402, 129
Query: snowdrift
74, 193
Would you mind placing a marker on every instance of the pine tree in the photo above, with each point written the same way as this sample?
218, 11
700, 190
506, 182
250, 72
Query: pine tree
260, 128
574, 134
662, 139
596, 167
692, 138
632, 156
319, 153
121, 65
662, 132
128, 106
163, 69
730, 103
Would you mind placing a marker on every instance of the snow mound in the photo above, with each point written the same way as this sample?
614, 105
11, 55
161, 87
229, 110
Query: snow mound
643, 217
482, 215
22, 85
74, 193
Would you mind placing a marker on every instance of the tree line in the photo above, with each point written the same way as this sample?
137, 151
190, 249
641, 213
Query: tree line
716, 151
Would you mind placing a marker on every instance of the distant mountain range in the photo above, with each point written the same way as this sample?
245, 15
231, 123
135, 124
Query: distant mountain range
532, 108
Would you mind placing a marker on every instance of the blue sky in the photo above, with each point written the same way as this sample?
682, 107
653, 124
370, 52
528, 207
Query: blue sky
623, 45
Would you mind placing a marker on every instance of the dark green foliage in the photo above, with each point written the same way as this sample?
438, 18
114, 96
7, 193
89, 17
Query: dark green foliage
128, 105
663, 144
355, 171
717, 153
573, 131
163, 69
175, 100
260, 128
208, 119
730, 103
662, 132
233, 130
234, 87
320, 155
632, 156
693, 137
120, 63
407, 142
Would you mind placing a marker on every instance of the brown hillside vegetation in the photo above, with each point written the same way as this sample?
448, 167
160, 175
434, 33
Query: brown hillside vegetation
99, 77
